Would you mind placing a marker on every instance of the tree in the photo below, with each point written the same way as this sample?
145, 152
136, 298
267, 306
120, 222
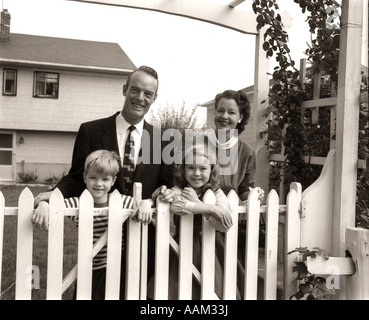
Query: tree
178, 118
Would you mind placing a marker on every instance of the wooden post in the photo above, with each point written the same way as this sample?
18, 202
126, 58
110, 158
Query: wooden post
261, 90
252, 246
55, 246
271, 246
161, 284
357, 242
133, 253
292, 233
185, 257
23, 286
114, 247
85, 246
349, 79
208, 253
230, 251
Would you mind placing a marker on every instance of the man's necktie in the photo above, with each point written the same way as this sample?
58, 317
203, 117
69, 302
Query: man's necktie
128, 165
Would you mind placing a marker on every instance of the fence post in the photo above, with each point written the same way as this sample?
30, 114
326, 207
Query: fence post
137, 194
271, 246
185, 257
23, 286
252, 246
162, 251
133, 254
114, 246
292, 241
357, 285
230, 251
208, 253
55, 246
85, 246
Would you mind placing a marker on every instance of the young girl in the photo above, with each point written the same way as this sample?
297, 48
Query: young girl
100, 171
197, 174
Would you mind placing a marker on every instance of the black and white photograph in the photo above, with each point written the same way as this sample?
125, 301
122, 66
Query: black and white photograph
187, 156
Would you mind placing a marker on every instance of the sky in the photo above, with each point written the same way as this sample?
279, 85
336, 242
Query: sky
195, 60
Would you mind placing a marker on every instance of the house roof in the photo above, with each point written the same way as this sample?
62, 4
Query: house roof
31, 49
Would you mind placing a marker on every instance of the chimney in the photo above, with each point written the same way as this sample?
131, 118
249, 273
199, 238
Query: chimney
5, 26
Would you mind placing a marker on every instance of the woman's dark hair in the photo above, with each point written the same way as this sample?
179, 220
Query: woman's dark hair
243, 105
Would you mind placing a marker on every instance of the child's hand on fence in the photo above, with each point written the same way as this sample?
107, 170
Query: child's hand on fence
143, 212
40, 216
224, 217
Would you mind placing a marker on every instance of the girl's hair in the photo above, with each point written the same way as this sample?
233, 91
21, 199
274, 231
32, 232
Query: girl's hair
243, 105
198, 152
104, 162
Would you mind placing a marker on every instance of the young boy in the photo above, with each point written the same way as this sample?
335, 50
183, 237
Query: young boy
100, 171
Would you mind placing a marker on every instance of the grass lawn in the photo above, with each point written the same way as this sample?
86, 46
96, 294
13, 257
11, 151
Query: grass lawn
11, 194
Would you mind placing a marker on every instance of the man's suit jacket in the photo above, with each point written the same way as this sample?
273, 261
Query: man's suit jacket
101, 134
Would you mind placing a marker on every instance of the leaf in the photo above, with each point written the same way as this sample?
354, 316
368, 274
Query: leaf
301, 269
266, 46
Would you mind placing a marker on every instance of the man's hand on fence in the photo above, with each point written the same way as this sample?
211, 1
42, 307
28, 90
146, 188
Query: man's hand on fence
164, 194
190, 194
40, 216
43, 196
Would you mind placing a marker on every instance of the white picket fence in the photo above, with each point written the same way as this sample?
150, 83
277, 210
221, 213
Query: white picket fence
272, 264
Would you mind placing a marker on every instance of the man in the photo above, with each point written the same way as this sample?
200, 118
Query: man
111, 133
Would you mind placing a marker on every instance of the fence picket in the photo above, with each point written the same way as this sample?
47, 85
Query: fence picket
137, 194
208, 253
55, 245
185, 258
230, 251
2, 214
252, 246
292, 241
23, 286
85, 246
271, 246
114, 247
133, 259
162, 251
133, 255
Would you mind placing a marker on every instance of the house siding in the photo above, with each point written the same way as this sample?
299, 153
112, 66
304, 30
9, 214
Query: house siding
47, 154
49, 126
83, 96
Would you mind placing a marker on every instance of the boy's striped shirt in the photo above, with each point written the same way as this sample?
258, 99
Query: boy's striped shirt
99, 227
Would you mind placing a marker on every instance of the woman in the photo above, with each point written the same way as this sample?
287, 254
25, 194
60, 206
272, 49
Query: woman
236, 157
232, 112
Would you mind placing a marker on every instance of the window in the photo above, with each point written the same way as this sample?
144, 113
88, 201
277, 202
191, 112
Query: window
10, 82
6, 144
45, 85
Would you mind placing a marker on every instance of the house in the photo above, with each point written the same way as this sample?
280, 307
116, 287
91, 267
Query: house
49, 86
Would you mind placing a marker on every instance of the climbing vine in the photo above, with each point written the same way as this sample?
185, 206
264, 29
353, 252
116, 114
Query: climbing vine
311, 286
301, 136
